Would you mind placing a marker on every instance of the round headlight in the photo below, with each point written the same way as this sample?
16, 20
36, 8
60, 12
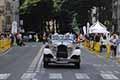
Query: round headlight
70, 46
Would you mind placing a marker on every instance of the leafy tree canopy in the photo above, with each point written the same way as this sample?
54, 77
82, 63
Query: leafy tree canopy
31, 3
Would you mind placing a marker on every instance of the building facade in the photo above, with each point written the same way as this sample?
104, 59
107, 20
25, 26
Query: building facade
5, 15
116, 15
9, 12
2, 14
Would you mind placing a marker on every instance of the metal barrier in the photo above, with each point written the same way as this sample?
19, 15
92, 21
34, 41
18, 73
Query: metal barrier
95, 47
5, 44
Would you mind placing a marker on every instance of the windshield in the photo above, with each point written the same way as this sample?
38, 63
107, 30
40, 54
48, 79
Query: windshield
61, 37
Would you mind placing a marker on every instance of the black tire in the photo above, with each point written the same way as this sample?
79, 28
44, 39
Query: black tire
77, 65
45, 64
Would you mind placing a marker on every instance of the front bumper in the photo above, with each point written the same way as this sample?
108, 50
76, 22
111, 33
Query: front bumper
62, 60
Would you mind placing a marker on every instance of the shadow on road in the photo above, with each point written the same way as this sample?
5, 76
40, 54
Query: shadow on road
61, 67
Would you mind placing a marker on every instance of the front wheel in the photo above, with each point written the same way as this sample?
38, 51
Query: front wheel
77, 65
45, 64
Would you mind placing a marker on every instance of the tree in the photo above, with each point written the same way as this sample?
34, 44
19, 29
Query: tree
75, 26
40, 11
35, 13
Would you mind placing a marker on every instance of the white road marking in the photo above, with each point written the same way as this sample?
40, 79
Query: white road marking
28, 76
4, 76
97, 65
81, 76
35, 61
112, 65
55, 76
34, 79
118, 65
42, 71
108, 76
102, 71
106, 72
117, 72
102, 65
39, 64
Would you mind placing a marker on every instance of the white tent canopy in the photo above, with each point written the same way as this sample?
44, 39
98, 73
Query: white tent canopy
98, 28
99, 31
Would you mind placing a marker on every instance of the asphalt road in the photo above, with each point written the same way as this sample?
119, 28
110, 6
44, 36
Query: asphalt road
17, 60
25, 63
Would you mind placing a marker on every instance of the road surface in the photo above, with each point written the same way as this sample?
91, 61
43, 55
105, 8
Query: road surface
25, 63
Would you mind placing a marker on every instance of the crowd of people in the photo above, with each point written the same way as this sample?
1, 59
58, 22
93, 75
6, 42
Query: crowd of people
113, 40
104, 40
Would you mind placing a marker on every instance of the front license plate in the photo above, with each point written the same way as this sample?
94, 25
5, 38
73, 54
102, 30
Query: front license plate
62, 62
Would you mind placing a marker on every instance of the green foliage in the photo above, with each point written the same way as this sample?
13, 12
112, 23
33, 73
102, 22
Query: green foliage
31, 3
63, 10
26, 4
75, 25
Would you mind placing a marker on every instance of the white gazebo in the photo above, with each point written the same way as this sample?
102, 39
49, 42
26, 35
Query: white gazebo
98, 28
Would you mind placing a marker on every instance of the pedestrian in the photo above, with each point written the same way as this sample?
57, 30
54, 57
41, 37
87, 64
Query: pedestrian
103, 42
19, 40
12, 39
96, 40
113, 41
91, 39
79, 38
44, 38
36, 37
30, 37
118, 47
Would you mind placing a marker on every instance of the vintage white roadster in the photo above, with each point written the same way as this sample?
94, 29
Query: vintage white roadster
62, 51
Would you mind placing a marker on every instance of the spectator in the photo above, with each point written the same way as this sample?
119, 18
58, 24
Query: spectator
103, 42
30, 37
12, 39
113, 41
97, 38
36, 37
44, 38
118, 47
19, 40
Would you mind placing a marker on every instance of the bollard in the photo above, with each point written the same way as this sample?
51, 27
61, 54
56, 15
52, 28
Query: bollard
91, 45
108, 52
97, 48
